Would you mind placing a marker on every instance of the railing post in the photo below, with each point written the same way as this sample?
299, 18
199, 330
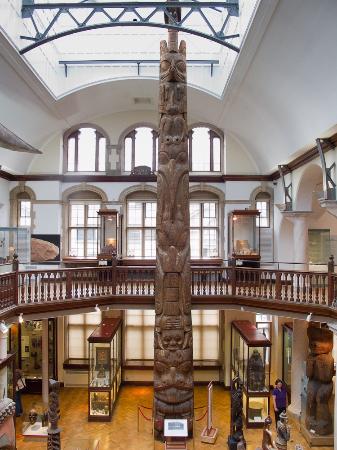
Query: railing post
69, 284
278, 286
232, 263
15, 268
331, 280
113, 275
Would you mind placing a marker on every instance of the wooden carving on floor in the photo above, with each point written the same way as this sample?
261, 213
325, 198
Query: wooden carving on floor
54, 437
173, 352
236, 438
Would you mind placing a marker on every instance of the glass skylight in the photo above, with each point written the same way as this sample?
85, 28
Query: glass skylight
131, 43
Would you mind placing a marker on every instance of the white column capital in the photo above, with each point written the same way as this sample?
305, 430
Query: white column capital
296, 216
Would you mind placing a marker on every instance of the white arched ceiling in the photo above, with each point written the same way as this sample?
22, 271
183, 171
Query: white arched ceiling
286, 98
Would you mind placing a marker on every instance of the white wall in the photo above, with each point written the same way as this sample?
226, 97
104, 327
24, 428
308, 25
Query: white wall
4, 203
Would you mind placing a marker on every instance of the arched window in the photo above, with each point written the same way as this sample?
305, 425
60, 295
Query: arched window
85, 150
262, 204
205, 148
141, 208
22, 206
140, 148
83, 223
204, 225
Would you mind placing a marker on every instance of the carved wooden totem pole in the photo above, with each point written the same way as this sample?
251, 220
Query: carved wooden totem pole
54, 438
173, 352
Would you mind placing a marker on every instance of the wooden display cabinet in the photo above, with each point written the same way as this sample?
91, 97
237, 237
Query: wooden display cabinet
108, 236
251, 362
244, 237
105, 362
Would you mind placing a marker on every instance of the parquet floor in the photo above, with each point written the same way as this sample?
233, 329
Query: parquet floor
121, 433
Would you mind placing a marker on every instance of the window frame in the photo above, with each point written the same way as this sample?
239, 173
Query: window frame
202, 227
214, 134
85, 227
132, 134
19, 216
84, 326
266, 198
141, 227
74, 133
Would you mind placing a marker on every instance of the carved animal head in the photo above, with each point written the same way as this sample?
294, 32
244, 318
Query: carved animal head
172, 64
320, 340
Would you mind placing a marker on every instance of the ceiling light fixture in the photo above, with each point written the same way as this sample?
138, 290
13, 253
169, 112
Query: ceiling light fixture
97, 308
21, 318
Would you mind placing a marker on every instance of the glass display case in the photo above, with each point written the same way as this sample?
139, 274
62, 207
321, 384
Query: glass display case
105, 362
26, 341
287, 345
251, 362
108, 236
14, 240
7, 369
244, 236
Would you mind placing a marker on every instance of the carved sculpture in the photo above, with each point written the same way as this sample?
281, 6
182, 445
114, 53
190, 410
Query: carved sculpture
7, 429
173, 352
283, 432
320, 369
256, 372
54, 438
267, 440
236, 438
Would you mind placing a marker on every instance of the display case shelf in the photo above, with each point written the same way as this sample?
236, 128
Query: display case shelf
244, 237
251, 362
105, 361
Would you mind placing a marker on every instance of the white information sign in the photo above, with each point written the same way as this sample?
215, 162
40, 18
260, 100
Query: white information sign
175, 428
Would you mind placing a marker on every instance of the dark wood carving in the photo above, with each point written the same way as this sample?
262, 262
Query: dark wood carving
267, 439
141, 170
236, 438
173, 352
54, 436
320, 370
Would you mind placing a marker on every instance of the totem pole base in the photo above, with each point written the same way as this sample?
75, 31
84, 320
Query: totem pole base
209, 435
315, 440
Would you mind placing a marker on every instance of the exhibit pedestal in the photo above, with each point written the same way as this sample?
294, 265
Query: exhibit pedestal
209, 435
315, 440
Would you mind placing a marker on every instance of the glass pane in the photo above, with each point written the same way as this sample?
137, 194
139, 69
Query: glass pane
209, 243
93, 218
150, 214
77, 215
71, 154
201, 150
92, 242
135, 214
144, 147
25, 209
127, 154
195, 214
195, 243
76, 242
150, 243
263, 207
216, 155
209, 215
101, 155
134, 243
86, 149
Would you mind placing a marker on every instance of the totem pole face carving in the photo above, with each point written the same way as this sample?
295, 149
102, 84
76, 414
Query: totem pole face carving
173, 353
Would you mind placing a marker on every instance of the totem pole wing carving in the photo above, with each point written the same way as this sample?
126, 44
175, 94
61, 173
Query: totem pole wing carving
173, 352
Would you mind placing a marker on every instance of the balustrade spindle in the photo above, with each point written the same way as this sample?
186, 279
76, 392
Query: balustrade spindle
323, 290
310, 288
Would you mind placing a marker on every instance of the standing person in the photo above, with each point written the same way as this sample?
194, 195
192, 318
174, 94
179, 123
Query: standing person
20, 385
279, 399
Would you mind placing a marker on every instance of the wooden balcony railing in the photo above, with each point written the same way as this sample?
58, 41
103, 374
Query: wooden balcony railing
70, 285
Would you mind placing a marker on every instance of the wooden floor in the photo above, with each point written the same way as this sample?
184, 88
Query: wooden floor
121, 433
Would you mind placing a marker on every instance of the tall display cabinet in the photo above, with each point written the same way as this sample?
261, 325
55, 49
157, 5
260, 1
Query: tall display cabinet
251, 362
287, 345
105, 369
26, 342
